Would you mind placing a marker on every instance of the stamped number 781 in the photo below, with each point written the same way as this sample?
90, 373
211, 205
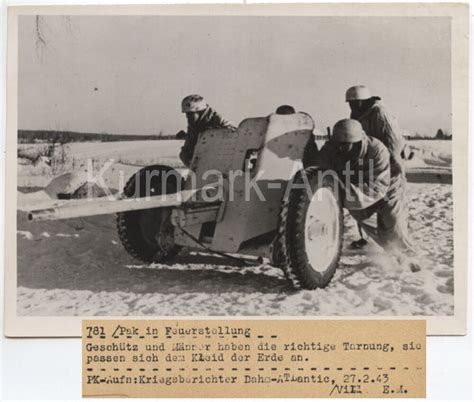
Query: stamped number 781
95, 331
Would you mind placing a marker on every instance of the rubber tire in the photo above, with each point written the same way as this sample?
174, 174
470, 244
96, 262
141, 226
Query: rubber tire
297, 268
137, 239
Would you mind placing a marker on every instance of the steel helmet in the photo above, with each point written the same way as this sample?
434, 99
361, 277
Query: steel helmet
347, 130
285, 109
358, 92
193, 103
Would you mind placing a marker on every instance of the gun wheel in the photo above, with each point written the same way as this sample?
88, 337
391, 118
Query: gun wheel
148, 234
313, 231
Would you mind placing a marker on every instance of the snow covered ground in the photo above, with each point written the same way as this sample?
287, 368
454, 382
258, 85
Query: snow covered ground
78, 267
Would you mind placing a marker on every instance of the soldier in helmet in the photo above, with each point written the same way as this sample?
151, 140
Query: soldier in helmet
379, 123
363, 165
285, 109
200, 117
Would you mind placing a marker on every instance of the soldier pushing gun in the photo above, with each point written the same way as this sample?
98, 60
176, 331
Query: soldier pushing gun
352, 152
378, 122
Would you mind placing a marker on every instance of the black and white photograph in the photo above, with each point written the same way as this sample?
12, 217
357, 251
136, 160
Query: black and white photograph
238, 166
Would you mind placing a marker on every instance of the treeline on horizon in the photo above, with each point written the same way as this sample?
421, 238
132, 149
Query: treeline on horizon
64, 137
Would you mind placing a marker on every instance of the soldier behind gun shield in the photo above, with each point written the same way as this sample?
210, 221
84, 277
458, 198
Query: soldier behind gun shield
200, 117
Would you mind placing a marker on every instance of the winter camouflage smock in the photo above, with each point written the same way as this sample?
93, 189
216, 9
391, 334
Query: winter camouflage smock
365, 176
372, 189
208, 119
379, 123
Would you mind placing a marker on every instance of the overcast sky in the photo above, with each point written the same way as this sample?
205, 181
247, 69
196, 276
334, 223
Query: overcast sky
129, 74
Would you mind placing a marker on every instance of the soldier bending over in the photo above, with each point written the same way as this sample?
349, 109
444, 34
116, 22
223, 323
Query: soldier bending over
370, 187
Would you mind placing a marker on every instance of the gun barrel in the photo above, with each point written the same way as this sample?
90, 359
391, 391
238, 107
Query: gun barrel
67, 209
